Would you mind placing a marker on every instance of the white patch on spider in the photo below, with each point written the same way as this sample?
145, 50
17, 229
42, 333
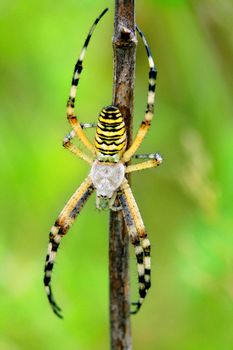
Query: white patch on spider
107, 178
47, 290
57, 239
147, 262
147, 278
49, 247
151, 96
145, 243
82, 54
151, 61
54, 230
52, 257
73, 90
148, 116
141, 269
70, 110
138, 250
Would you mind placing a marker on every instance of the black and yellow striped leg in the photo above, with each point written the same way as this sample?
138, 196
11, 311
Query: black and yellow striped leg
129, 221
138, 235
60, 228
75, 80
145, 243
145, 124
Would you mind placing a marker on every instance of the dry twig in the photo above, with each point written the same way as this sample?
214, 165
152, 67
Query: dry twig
124, 47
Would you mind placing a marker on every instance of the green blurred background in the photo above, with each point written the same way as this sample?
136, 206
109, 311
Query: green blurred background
186, 203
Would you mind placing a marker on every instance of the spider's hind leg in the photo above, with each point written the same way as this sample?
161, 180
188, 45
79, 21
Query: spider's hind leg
139, 239
112, 203
60, 228
54, 241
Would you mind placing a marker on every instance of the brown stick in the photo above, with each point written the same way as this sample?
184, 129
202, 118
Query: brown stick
124, 47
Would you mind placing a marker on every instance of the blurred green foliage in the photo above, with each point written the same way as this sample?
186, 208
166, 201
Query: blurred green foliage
186, 203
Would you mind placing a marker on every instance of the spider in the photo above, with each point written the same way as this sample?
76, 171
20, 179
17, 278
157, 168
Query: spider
107, 175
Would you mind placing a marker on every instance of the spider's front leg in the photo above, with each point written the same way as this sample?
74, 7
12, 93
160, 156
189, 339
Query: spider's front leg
74, 149
60, 228
155, 160
145, 124
75, 81
139, 239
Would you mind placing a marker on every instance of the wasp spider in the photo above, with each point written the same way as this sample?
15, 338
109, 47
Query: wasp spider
107, 175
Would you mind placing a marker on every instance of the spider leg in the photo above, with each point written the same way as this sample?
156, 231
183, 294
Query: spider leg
60, 228
137, 246
147, 156
75, 80
155, 160
145, 124
112, 203
140, 228
74, 149
88, 125
139, 239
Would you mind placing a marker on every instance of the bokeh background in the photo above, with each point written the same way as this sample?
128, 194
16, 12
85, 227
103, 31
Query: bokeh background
186, 203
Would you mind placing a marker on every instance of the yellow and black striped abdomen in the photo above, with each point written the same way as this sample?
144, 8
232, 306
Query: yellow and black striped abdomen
110, 137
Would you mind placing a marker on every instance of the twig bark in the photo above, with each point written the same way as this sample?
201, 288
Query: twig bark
124, 47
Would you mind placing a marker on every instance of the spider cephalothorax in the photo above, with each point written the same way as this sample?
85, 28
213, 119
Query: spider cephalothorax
106, 178
107, 175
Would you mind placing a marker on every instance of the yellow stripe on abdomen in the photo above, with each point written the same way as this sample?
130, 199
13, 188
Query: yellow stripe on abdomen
110, 136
